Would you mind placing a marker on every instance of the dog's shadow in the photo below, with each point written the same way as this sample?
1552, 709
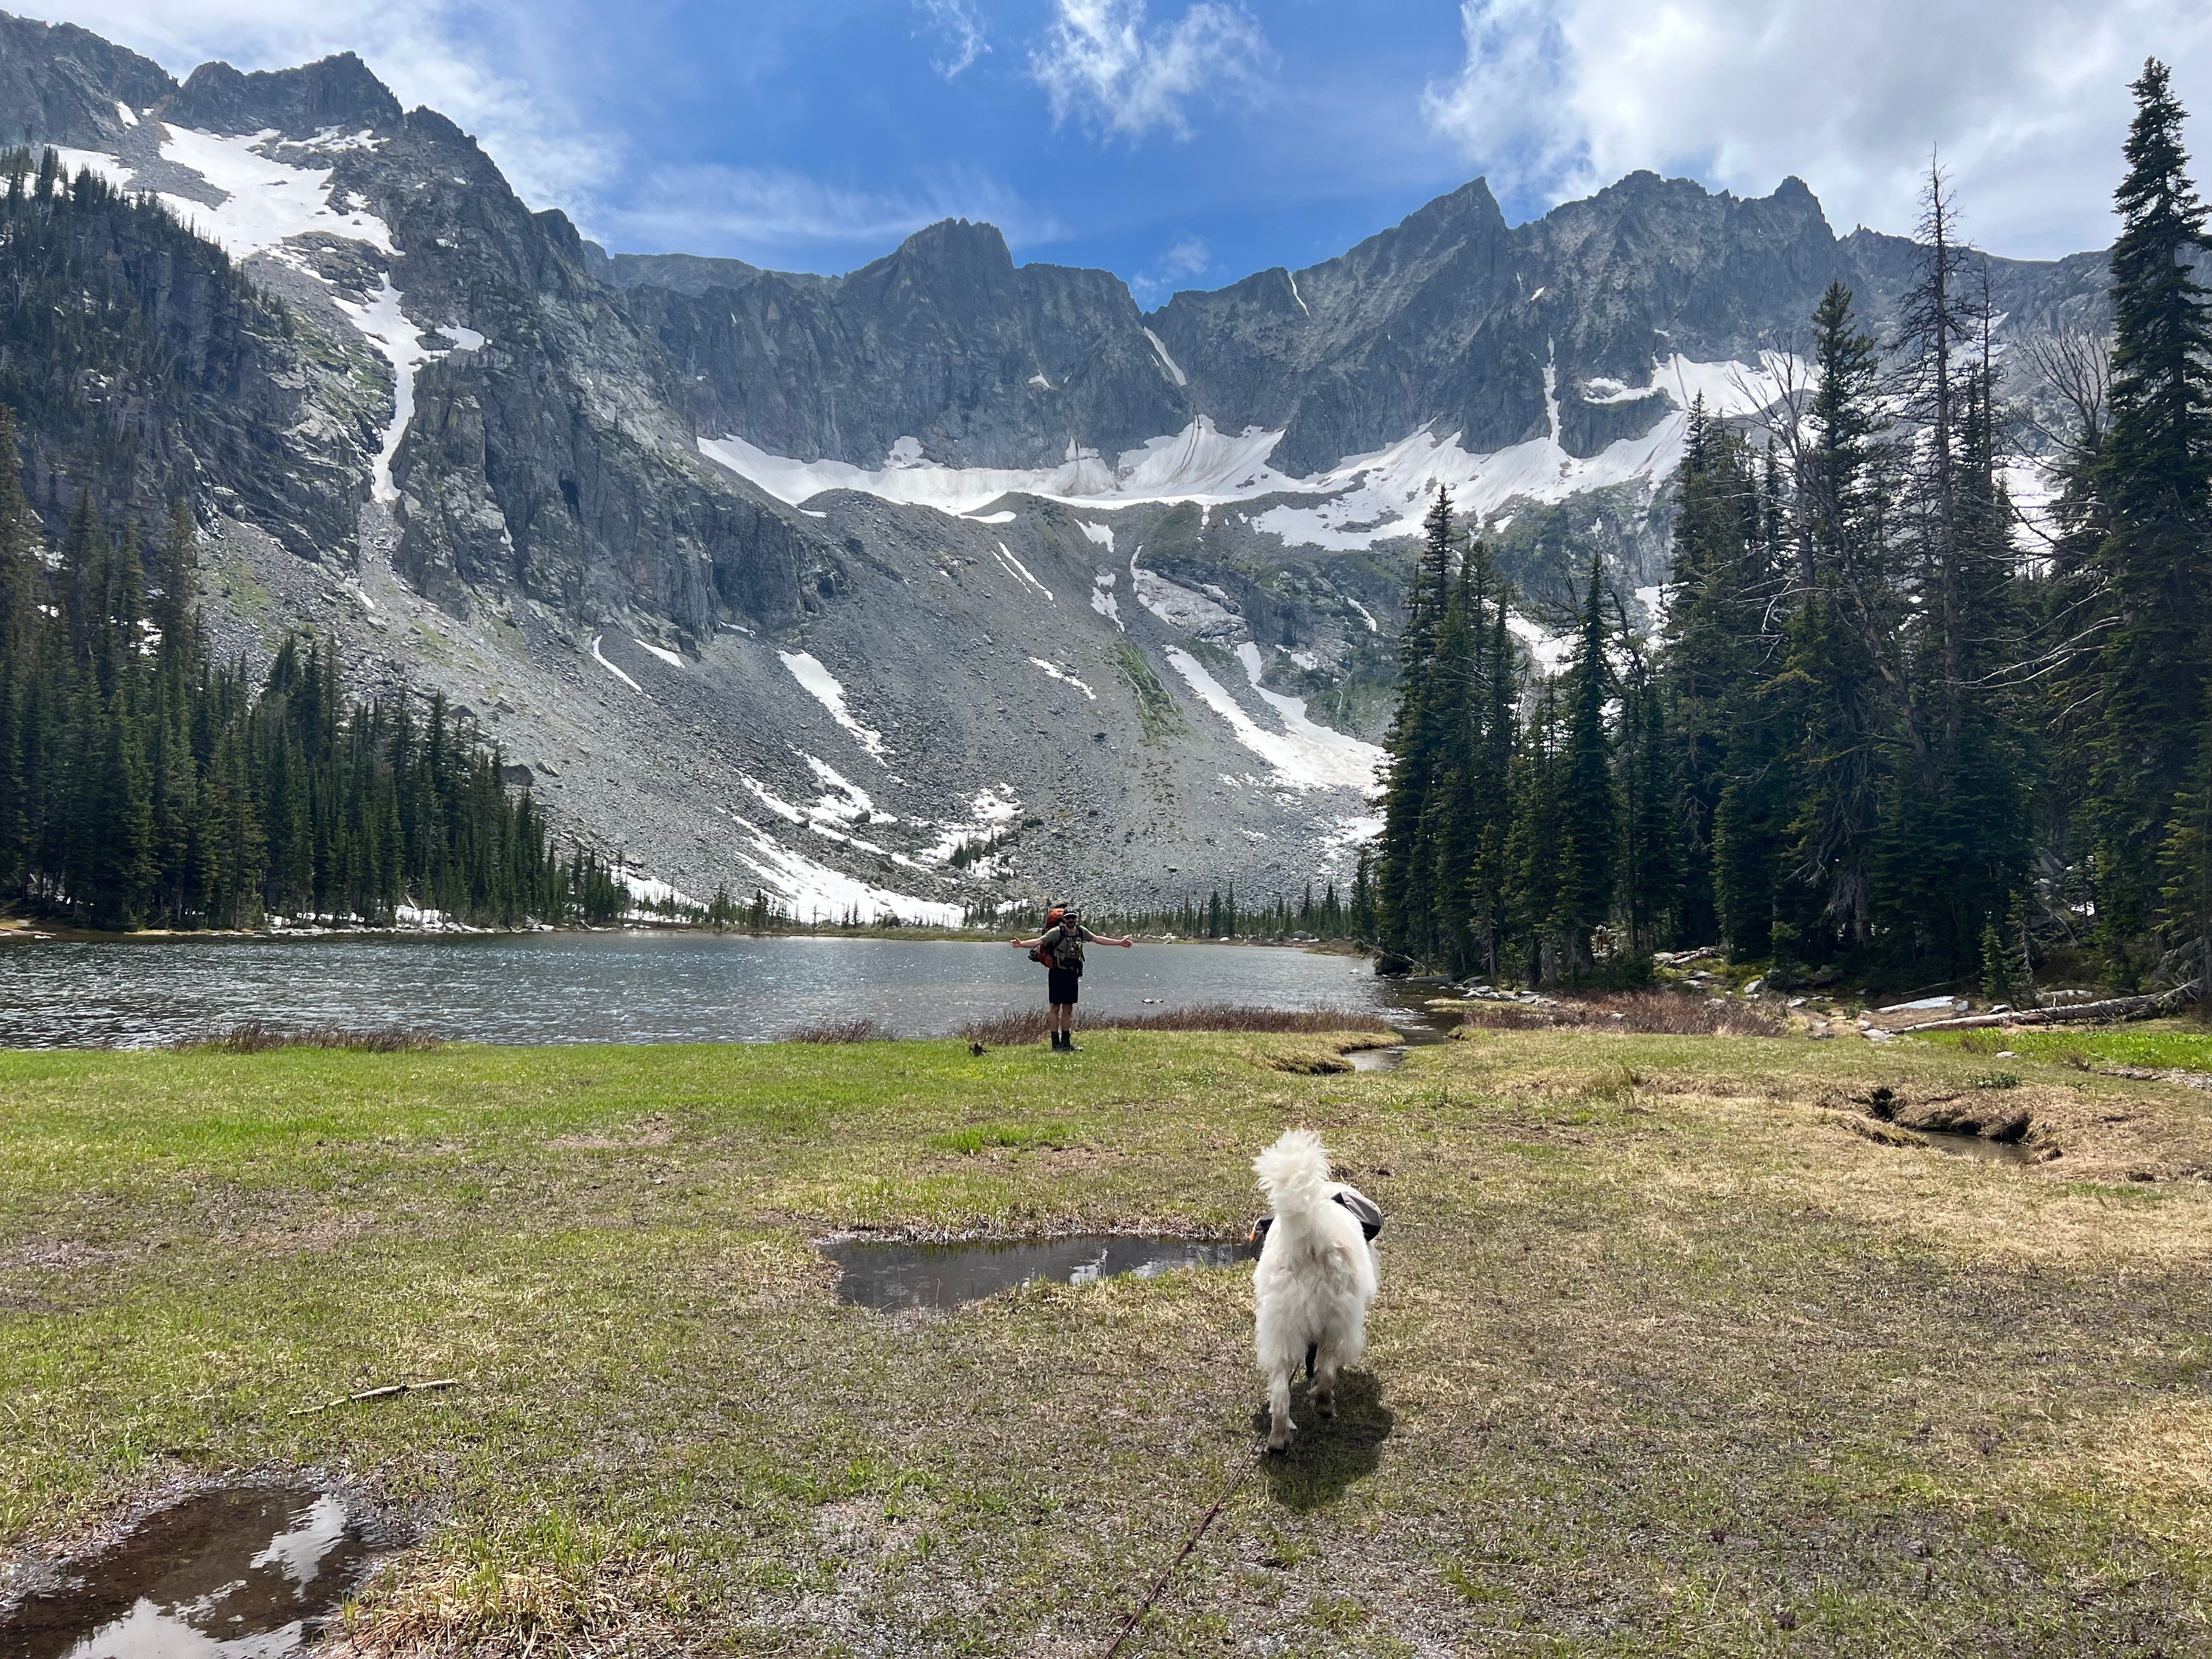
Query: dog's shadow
1328, 1454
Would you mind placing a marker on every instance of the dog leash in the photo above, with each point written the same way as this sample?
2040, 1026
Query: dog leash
1190, 1544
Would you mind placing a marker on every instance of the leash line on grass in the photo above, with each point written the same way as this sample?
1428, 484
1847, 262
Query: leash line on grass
1188, 1545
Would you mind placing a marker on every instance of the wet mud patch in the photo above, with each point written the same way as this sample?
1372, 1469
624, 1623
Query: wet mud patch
244, 1570
889, 1275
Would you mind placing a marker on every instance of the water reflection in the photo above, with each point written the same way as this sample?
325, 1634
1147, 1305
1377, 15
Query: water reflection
614, 987
246, 1572
898, 1273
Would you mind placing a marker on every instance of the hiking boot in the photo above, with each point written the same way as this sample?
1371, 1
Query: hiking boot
1058, 1038
1067, 1042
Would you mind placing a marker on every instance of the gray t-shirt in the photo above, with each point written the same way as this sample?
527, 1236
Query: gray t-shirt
1066, 947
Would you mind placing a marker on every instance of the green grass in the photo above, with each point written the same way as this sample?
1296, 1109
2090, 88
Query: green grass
1666, 1360
2161, 1045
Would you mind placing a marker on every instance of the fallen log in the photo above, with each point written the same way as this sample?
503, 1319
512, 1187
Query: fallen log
2141, 1007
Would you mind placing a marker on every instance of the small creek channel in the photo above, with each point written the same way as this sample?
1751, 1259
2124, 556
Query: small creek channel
245, 1571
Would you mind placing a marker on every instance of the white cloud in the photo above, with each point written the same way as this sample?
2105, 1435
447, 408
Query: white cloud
1100, 63
963, 35
768, 214
427, 52
1188, 260
2026, 99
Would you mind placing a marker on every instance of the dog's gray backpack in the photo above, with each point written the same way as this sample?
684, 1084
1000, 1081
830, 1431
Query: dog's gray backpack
1362, 1207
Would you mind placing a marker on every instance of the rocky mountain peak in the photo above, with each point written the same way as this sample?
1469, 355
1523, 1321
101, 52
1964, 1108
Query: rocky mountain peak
61, 83
338, 91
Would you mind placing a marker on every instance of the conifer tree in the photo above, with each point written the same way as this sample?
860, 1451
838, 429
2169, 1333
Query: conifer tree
2156, 563
1588, 814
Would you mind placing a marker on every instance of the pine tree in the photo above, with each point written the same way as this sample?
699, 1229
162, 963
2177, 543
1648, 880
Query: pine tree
2156, 563
1416, 745
1588, 812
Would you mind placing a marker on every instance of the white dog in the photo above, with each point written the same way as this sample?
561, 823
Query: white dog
1316, 1275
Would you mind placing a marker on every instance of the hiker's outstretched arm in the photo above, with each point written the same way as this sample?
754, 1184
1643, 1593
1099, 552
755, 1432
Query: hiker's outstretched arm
1126, 940
1025, 944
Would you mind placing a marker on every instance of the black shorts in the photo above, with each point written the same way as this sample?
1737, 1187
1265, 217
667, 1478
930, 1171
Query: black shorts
1060, 984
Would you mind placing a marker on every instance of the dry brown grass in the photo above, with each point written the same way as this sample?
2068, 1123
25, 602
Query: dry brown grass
841, 1031
1029, 1026
1644, 1013
253, 1037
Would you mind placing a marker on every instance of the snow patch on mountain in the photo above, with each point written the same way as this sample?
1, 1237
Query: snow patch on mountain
1365, 499
809, 889
1174, 369
1182, 607
266, 202
1102, 600
1304, 755
822, 685
1023, 571
1065, 677
599, 657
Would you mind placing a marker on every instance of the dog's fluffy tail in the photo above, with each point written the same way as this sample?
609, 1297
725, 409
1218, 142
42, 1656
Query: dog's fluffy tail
1294, 1174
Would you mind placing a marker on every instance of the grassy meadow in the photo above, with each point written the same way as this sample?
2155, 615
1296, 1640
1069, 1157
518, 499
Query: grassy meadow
1678, 1352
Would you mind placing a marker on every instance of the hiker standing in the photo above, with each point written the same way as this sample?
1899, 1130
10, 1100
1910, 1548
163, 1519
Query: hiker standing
1060, 948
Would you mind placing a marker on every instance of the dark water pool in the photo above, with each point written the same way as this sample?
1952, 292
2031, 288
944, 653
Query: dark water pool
898, 1273
246, 1573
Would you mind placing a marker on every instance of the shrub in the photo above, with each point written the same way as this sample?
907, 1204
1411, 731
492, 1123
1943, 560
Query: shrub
253, 1037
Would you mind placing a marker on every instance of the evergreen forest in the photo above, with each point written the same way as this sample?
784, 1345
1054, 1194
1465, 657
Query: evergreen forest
141, 784
1885, 734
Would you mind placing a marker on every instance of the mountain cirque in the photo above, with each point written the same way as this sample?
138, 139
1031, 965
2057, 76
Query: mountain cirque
799, 583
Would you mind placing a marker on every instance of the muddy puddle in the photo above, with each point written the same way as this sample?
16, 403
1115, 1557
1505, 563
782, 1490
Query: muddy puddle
248, 1573
1376, 1060
1980, 1147
892, 1274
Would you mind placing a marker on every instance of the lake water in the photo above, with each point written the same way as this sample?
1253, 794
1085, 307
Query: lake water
627, 986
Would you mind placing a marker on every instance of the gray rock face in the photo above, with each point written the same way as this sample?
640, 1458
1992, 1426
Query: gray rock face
945, 341
60, 84
547, 543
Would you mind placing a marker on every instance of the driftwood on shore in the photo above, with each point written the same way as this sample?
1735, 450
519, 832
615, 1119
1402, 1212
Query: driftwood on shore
2143, 1007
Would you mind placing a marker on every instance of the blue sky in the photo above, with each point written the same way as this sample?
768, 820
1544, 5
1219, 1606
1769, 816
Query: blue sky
1187, 142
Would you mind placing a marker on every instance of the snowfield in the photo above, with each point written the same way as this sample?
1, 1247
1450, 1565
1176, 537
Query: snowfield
1304, 755
1363, 500
822, 685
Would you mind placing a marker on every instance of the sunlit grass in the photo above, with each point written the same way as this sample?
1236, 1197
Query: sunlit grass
1665, 1354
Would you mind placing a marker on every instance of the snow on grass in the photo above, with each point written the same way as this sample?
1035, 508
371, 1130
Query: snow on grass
1303, 757
1101, 533
1065, 677
823, 686
599, 657
661, 652
1174, 370
1023, 571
